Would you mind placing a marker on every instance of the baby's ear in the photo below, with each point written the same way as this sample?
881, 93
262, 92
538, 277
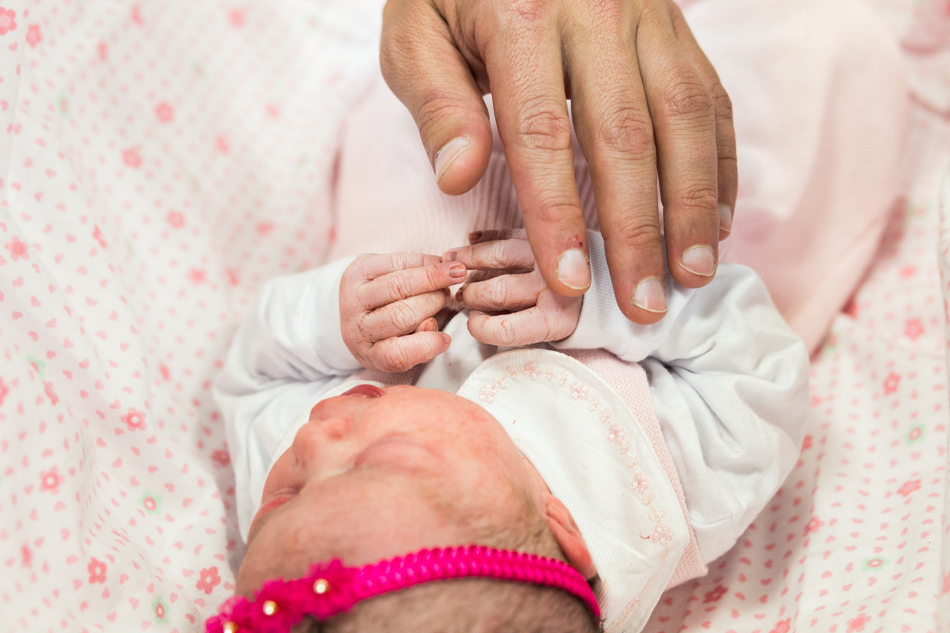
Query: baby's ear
568, 536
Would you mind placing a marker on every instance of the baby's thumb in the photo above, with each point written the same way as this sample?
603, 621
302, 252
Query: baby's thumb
402, 353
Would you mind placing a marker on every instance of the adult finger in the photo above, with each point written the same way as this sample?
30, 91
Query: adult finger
424, 68
727, 165
507, 292
527, 81
494, 255
684, 121
402, 317
405, 352
525, 327
614, 128
402, 284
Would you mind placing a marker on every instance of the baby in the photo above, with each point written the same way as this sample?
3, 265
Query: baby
360, 432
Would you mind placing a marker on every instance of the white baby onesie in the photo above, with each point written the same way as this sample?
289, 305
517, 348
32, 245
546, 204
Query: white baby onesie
727, 379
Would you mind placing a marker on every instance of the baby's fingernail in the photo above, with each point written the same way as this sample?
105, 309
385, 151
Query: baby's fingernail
458, 295
650, 295
474, 235
446, 338
573, 270
430, 325
449, 152
457, 271
450, 256
725, 217
699, 260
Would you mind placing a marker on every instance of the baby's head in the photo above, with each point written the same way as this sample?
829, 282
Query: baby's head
378, 473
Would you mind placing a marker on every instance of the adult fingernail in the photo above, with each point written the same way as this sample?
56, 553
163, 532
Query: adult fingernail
449, 152
725, 217
450, 256
650, 295
474, 235
457, 271
573, 270
699, 260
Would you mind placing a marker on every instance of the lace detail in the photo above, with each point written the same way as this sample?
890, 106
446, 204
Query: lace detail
616, 434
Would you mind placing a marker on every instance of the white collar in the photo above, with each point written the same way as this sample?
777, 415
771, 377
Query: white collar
590, 449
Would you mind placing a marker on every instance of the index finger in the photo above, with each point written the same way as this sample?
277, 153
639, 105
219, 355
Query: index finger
527, 81
402, 284
378, 265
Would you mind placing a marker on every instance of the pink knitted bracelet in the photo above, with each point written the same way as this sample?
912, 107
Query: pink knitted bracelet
330, 588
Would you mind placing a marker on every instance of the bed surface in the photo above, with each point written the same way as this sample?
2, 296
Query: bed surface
159, 160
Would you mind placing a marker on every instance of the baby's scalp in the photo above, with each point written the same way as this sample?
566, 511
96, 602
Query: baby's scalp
457, 480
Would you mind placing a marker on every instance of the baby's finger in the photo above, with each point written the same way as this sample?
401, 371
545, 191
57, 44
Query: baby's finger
429, 325
489, 235
402, 284
374, 266
402, 317
495, 254
405, 352
504, 293
484, 275
526, 327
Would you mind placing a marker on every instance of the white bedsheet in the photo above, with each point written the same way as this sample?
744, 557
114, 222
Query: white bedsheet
158, 160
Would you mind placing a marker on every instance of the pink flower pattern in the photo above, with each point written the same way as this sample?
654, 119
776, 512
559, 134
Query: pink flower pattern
7, 20
134, 420
97, 571
866, 443
17, 249
856, 625
51, 480
909, 487
209, 580
164, 112
33, 36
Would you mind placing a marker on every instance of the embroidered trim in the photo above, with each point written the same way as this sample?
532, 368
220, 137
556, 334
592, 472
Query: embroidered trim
616, 434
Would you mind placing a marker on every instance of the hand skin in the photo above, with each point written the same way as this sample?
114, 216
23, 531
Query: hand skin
388, 305
377, 473
646, 103
509, 300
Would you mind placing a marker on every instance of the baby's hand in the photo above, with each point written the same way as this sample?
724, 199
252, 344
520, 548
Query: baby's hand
510, 302
387, 304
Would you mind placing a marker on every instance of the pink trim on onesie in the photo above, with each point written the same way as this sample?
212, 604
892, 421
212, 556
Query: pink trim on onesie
630, 382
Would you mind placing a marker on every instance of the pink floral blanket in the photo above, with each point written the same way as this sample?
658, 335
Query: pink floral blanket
159, 160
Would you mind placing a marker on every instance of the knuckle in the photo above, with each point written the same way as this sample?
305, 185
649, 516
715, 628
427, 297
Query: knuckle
528, 11
543, 125
398, 358
628, 130
700, 199
687, 98
399, 286
637, 233
497, 293
434, 110
505, 332
402, 317
721, 100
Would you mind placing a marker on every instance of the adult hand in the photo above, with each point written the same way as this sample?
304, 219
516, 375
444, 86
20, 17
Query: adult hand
645, 103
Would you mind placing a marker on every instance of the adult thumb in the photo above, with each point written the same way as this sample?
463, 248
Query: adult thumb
423, 66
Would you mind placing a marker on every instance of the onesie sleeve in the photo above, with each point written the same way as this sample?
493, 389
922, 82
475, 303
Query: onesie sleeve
286, 353
729, 383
